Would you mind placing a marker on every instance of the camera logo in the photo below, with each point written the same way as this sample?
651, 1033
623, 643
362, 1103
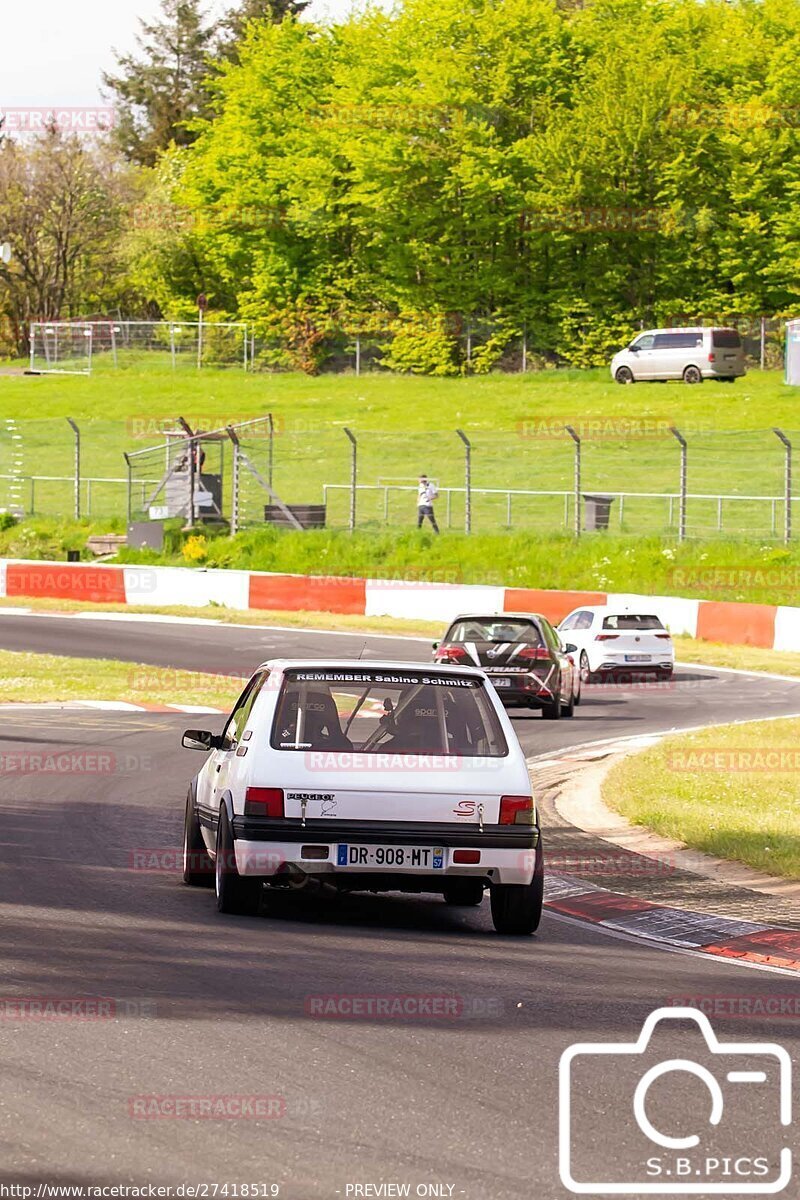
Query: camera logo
681, 1122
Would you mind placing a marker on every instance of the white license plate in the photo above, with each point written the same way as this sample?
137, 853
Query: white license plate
637, 658
352, 857
500, 681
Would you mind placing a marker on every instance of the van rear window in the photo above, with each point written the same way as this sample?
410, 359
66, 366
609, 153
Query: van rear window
726, 339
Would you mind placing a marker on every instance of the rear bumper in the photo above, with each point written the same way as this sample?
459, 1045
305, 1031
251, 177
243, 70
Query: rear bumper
508, 854
526, 688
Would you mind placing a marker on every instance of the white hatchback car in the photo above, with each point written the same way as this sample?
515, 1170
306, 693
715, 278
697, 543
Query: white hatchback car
368, 777
608, 641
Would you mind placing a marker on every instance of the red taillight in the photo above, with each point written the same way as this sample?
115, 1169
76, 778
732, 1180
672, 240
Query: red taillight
467, 857
263, 802
606, 637
665, 637
451, 654
516, 810
711, 357
538, 653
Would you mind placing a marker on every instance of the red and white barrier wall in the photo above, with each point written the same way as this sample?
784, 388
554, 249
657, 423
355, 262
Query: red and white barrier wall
771, 626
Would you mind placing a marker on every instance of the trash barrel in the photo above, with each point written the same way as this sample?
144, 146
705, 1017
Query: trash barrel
597, 511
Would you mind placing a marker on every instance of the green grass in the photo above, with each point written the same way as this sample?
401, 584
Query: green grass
749, 814
52, 677
716, 570
406, 425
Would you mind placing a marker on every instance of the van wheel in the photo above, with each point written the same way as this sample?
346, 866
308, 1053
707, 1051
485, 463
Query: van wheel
198, 869
517, 908
692, 375
239, 894
624, 375
463, 893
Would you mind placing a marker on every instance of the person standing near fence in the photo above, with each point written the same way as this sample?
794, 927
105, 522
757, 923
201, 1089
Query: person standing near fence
425, 497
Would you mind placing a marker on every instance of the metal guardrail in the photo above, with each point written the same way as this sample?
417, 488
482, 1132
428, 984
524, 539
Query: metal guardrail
31, 480
672, 498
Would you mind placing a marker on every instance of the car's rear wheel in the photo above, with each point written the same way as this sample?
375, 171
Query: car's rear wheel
464, 893
552, 712
692, 375
586, 674
517, 908
198, 869
578, 693
568, 710
239, 894
624, 375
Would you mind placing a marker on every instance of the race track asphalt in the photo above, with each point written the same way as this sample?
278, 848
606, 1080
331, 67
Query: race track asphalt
202, 1006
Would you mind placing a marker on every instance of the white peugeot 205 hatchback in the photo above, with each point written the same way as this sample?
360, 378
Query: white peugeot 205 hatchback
368, 777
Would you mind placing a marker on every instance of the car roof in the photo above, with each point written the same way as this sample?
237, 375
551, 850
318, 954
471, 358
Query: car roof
360, 664
487, 616
687, 329
641, 610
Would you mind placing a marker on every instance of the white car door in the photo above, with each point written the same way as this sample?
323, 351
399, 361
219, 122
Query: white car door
227, 758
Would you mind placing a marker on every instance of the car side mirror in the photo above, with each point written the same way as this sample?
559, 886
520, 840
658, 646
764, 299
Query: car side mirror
635, 349
435, 645
200, 739
570, 648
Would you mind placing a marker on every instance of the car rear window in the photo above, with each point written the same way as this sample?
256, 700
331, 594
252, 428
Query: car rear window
495, 629
726, 339
624, 621
392, 712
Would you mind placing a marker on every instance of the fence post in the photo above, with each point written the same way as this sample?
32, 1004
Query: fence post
271, 450
234, 480
187, 429
763, 358
684, 472
33, 344
577, 442
787, 484
130, 486
467, 480
353, 477
77, 466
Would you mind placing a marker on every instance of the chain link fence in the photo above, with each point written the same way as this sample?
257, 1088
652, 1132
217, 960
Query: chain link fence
476, 344
639, 477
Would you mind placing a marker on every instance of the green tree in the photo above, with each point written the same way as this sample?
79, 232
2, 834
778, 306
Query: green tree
234, 25
160, 92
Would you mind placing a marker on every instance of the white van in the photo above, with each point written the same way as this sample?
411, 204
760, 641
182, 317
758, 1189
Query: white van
688, 354
367, 777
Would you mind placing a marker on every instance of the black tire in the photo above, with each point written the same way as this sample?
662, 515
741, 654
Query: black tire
692, 375
586, 674
568, 710
665, 673
239, 894
463, 893
578, 696
198, 869
517, 908
552, 712
624, 375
